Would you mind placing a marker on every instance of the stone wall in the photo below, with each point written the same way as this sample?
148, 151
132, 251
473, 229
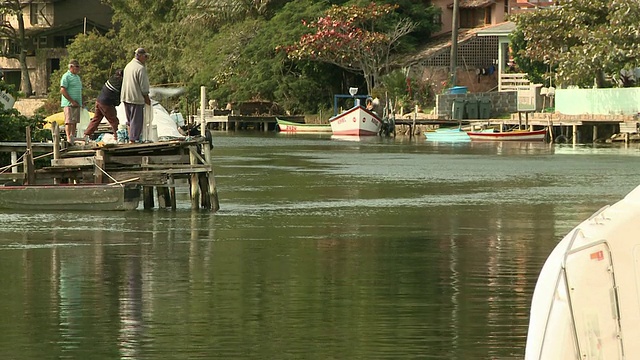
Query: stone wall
28, 107
502, 103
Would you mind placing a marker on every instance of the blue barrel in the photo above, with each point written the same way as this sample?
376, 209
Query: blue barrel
458, 90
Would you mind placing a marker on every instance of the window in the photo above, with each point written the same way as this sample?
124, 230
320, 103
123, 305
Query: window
61, 41
437, 19
472, 18
36, 13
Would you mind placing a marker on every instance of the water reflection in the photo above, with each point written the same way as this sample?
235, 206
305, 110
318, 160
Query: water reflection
321, 250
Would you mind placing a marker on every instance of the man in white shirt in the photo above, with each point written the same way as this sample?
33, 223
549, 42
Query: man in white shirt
135, 93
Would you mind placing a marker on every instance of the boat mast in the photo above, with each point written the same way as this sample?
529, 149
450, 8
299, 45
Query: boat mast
454, 44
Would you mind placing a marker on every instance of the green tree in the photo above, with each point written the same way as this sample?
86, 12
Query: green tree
539, 72
154, 25
239, 62
14, 125
17, 36
99, 56
587, 39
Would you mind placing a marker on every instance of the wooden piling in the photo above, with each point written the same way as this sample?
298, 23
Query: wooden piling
195, 188
211, 180
98, 166
172, 191
164, 198
147, 196
28, 160
55, 134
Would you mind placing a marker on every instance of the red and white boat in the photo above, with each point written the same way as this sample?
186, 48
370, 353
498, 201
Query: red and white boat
356, 121
514, 135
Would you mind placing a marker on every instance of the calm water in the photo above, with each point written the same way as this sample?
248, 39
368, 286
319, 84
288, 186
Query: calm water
323, 249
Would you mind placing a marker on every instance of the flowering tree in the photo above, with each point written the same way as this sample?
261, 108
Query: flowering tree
346, 37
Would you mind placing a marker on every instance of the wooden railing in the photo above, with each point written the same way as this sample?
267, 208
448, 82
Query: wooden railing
513, 82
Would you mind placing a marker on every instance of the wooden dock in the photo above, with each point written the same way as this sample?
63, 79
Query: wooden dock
223, 120
586, 128
159, 166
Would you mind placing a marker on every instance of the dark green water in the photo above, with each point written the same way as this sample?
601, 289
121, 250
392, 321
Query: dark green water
322, 249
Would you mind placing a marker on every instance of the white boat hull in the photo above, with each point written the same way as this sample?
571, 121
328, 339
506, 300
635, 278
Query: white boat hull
586, 303
356, 121
294, 128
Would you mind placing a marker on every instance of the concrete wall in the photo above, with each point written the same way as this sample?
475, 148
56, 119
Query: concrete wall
618, 101
501, 102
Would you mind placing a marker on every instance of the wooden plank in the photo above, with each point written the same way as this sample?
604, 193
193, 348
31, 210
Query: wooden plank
513, 82
150, 159
76, 161
12, 176
22, 147
167, 166
628, 127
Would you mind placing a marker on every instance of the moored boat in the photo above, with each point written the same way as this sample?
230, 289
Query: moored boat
586, 302
447, 135
293, 127
356, 121
514, 135
76, 197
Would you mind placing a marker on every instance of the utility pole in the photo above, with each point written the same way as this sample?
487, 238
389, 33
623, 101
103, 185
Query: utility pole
454, 43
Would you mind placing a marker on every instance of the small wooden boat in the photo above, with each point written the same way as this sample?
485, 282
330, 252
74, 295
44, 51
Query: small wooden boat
514, 135
586, 302
293, 127
76, 197
356, 121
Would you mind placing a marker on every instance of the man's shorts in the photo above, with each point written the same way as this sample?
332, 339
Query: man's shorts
71, 114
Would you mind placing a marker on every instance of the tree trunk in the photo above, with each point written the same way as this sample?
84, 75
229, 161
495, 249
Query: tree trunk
25, 81
369, 79
600, 79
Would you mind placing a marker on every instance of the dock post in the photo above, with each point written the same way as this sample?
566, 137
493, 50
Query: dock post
14, 161
98, 164
195, 189
164, 199
147, 194
28, 160
213, 190
203, 104
205, 199
56, 140
172, 192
